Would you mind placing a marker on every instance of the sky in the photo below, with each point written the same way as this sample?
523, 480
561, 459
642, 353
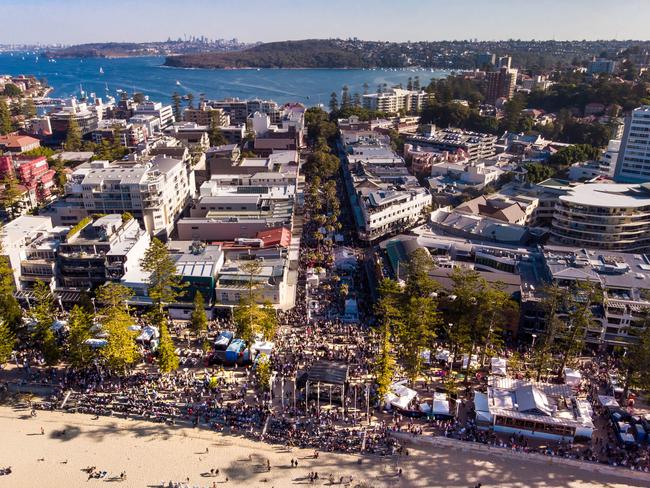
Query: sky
79, 21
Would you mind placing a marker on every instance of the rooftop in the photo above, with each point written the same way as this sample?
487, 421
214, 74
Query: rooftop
609, 195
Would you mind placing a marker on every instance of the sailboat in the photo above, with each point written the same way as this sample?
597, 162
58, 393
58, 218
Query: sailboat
101, 70
178, 83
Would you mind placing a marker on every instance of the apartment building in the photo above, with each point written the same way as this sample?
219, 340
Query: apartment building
163, 113
155, 191
601, 66
34, 174
385, 198
16, 236
100, 250
613, 217
501, 84
239, 110
129, 134
633, 164
475, 144
190, 134
624, 280
395, 100
206, 115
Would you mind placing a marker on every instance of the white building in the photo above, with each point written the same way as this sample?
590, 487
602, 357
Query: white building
272, 280
634, 157
155, 192
394, 100
605, 167
16, 236
164, 113
540, 410
614, 217
389, 210
476, 175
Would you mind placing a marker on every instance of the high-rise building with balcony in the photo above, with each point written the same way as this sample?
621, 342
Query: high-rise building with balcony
633, 163
395, 100
155, 192
613, 217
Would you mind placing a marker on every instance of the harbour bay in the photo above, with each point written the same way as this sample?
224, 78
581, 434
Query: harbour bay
67, 76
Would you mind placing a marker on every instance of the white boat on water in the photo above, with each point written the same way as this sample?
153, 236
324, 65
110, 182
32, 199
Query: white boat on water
101, 70
178, 83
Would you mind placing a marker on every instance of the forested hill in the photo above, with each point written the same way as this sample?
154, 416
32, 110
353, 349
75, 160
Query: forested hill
355, 53
285, 54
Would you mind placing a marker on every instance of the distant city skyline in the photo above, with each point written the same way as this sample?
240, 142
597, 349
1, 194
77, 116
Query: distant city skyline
83, 21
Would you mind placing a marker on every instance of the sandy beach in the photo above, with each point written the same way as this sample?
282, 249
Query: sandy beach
153, 453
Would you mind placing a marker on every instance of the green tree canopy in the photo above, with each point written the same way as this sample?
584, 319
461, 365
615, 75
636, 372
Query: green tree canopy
74, 136
167, 358
199, 319
7, 342
6, 123
165, 285
12, 195
121, 352
42, 312
80, 322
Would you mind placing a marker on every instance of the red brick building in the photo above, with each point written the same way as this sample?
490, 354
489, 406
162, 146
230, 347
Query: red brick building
33, 173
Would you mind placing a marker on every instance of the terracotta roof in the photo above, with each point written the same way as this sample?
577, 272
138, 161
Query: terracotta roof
278, 236
17, 141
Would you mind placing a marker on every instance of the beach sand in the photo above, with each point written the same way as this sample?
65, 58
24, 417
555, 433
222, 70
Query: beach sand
154, 453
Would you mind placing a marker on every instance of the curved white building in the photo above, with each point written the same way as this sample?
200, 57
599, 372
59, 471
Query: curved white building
615, 217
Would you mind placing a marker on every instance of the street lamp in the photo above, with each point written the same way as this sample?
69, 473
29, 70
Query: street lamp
534, 336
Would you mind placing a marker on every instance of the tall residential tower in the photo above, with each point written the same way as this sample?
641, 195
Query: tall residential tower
633, 165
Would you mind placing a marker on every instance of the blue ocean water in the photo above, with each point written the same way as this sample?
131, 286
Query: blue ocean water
147, 75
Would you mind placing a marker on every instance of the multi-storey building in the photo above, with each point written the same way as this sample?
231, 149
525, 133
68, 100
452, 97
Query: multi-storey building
86, 116
190, 134
242, 198
33, 173
633, 163
239, 110
624, 281
395, 100
16, 236
600, 66
129, 134
156, 192
206, 115
614, 217
501, 84
238, 212
385, 198
17, 143
99, 251
475, 144
164, 113
272, 280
